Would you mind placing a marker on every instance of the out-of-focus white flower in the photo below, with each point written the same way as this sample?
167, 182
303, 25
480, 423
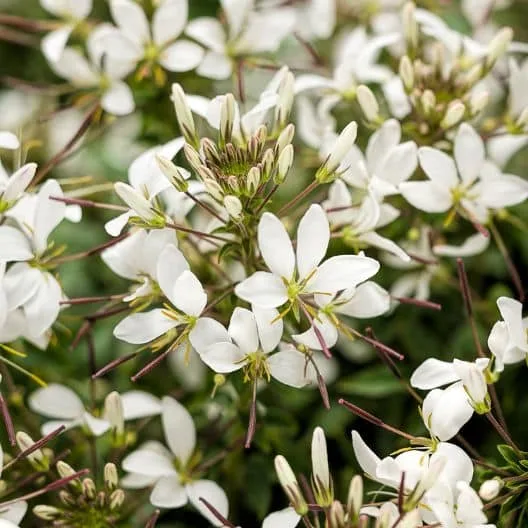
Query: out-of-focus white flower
168, 470
248, 32
293, 275
508, 341
473, 186
71, 12
66, 408
135, 40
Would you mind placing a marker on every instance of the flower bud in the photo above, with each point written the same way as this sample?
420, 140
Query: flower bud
286, 96
455, 112
136, 201
253, 181
489, 489
355, 497
473, 76
234, 184
475, 385
233, 207
210, 151
406, 71
268, 162
336, 517
117, 499
37, 458
410, 25
342, 146
214, 189
321, 481
113, 413
192, 157
184, 115
110, 476
172, 173
227, 118
284, 165
65, 470
499, 45
285, 138
290, 485
428, 100
368, 103
522, 120
89, 489
478, 102
48, 513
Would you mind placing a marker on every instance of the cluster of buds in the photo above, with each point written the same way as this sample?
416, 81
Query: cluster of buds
240, 164
82, 504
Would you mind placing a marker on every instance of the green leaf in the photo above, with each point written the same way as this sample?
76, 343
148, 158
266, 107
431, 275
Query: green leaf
374, 382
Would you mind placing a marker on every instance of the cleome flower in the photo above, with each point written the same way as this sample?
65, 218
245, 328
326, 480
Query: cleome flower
294, 275
173, 472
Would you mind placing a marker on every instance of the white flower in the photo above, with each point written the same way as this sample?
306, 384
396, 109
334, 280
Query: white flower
248, 32
71, 12
170, 471
134, 40
66, 408
184, 291
472, 185
445, 411
316, 18
361, 221
293, 275
136, 258
508, 341
147, 181
247, 344
386, 163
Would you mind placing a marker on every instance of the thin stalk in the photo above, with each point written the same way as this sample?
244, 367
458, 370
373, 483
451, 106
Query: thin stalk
89, 203
502, 432
298, 197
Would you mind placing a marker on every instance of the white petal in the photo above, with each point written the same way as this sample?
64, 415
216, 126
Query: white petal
115, 226
142, 328
368, 300
505, 191
19, 181
459, 467
474, 245
327, 332
433, 373
14, 246
291, 368
74, 67
43, 308
427, 196
382, 142
207, 31
51, 426
223, 357
243, 330
189, 296
14, 513
168, 493
8, 140
139, 404
148, 463
373, 239
439, 167
171, 264
169, 20
215, 66
366, 458
270, 328
400, 164
213, 494
207, 332
181, 56
48, 214
53, 43
287, 518
96, 426
179, 429
262, 289
56, 401
313, 236
342, 272
236, 12
131, 19
118, 99
469, 153
275, 246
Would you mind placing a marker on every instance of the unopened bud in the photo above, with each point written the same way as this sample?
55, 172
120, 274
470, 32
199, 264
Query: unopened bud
368, 103
285, 138
110, 476
284, 165
113, 413
89, 489
268, 161
355, 497
234, 184
336, 516
233, 207
406, 71
184, 115
478, 102
37, 458
321, 481
286, 96
499, 45
192, 157
227, 117
522, 120
489, 489
172, 173
48, 513
290, 485
64, 469
66, 498
473, 76
428, 100
410, 25
455, 112
214, 189
253, 181
136, 201
342, 146
117, 499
